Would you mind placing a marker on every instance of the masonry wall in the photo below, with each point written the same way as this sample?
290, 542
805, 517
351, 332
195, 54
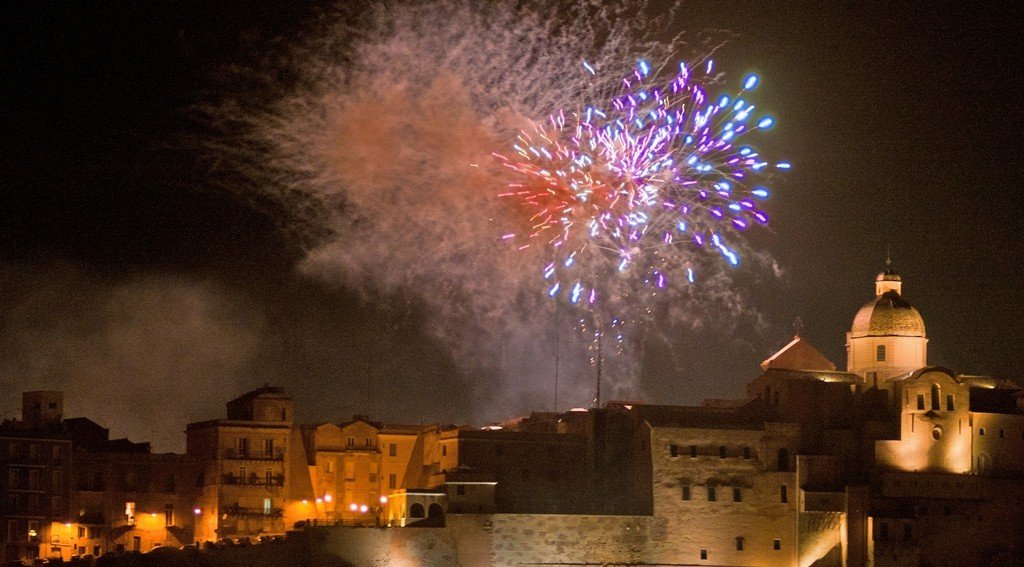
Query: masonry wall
503, 540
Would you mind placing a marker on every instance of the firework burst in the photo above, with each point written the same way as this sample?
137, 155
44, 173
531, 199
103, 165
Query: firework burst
374, 137
622, 196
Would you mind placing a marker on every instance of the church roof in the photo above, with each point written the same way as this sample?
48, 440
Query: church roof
888, 315
798, 355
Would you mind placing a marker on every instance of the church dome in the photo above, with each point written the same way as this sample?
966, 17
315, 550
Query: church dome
888, 314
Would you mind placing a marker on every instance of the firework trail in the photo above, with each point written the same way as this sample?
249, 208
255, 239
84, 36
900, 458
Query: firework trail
375, 135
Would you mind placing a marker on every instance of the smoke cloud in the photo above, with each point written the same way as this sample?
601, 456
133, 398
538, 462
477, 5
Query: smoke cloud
141, 357
378, 136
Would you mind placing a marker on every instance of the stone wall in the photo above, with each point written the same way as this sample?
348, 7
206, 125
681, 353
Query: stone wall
497, 540
502, 540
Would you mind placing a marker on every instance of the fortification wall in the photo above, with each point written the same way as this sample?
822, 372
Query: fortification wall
502, 540
495, 540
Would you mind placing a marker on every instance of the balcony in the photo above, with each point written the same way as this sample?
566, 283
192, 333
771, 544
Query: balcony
234, 454
254, 480
237, 510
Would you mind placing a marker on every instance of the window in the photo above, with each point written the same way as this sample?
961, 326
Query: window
329, 465
1001, 433
266, 506
949, 402
936, 396
13, 478
739, 544
12, 529
906, 532
920, 401
393, 450
416, 510
711, 493
33, 452
56, 451
243, 446
693, 451
884, 532
746, 452
56, 510
33, 528
686, 492
673, 450
783, 459
268, 447
351, 441
81, 531
783, 494
392, 481
460, 489
777, 544
368, 442
737, 494
444, 450
981, 431
169, 483
721, 452
168, 514
268, 476
703, 554
880, 353
96, 550
241, 475
373, 478
33, 479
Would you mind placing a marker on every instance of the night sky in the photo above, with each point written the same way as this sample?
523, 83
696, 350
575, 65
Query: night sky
151, 295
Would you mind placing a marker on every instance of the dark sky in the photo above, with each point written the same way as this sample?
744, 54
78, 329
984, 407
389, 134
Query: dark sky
139, 287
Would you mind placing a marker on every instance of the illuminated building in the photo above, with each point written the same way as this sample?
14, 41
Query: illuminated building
889, 462
244, 466
35, 480
126, 497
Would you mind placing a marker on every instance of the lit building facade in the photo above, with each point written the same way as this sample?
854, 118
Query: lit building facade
243, 465
126, 497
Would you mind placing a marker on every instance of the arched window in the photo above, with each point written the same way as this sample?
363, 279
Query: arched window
435, 511
416, 510
936, 395
880, 353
